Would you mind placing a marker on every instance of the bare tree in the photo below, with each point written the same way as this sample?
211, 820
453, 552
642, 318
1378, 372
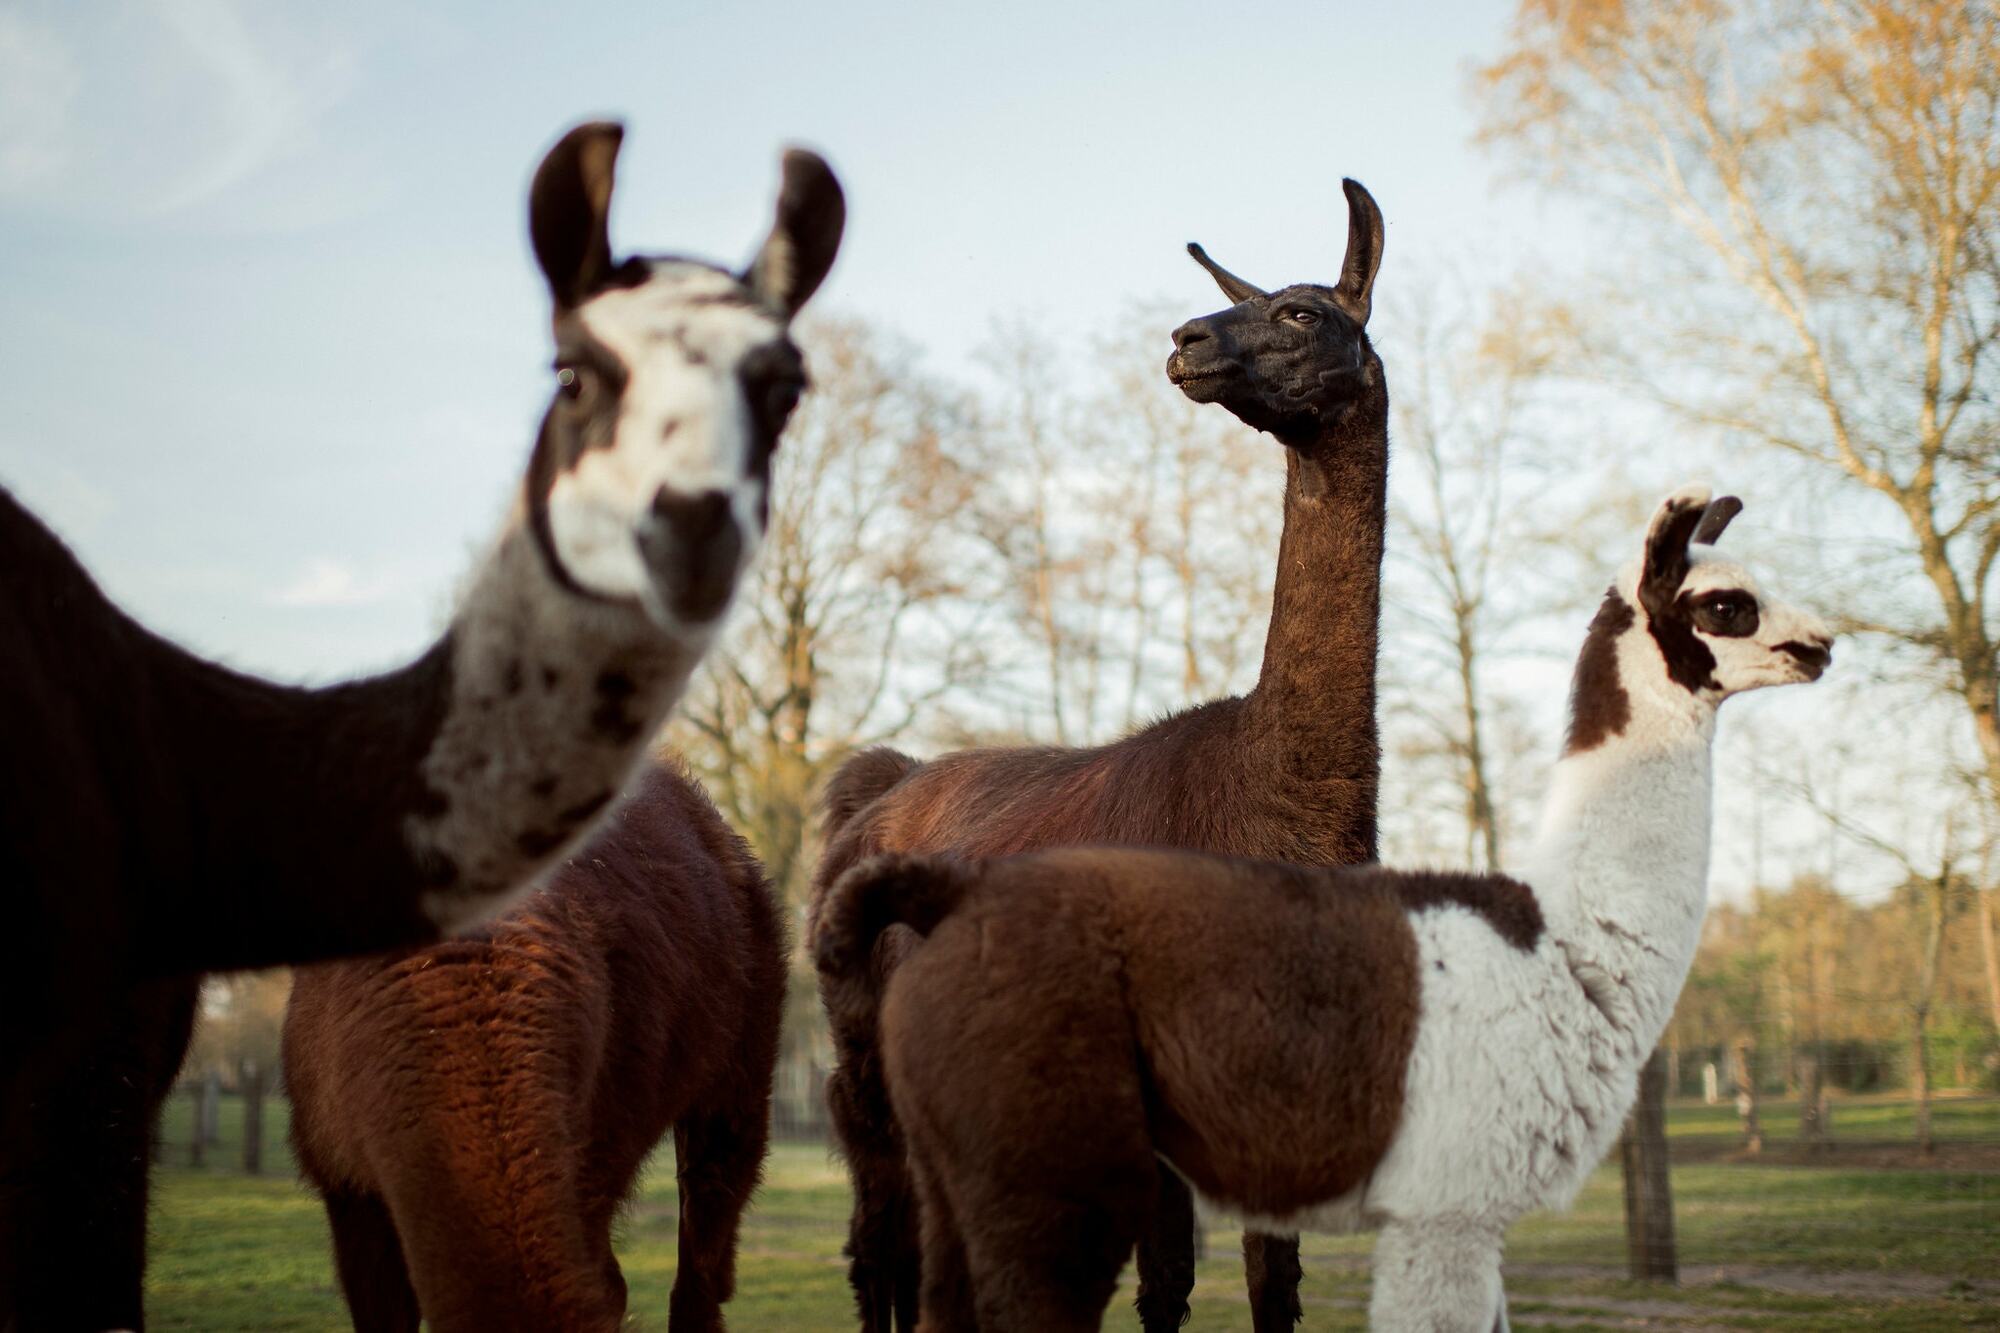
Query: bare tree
1823, 181
860, 617
1466, 528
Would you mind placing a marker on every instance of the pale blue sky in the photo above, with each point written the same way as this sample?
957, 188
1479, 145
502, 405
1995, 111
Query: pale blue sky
275, 344
275, 347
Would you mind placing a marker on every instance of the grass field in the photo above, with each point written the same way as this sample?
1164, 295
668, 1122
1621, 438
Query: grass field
1762, 1247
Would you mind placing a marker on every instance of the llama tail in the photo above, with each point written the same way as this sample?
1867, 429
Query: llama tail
860, 780
864, 905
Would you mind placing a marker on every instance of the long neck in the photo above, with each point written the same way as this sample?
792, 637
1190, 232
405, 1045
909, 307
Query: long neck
1313, 709
1621, 864
379, 813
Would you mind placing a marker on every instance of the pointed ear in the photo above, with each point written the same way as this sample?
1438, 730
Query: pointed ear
812, 212
1716, 517
1667, 537
568, 206
1232, 286
1364, 248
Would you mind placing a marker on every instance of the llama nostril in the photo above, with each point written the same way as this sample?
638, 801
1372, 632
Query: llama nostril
1815, 655
1190, 332
693, 545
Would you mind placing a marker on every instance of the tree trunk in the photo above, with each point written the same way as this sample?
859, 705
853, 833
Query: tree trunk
1650, 1254
1812, 1103
1746, 1095
198, 1095
1987, 946
1920, 1079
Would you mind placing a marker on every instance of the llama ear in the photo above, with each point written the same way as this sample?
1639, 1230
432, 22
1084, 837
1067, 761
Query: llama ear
1364, 248
1716, 517
1232, 286
812, 212
1667, 537
568, 206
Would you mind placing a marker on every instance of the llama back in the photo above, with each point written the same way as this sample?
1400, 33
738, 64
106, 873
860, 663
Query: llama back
500, 1089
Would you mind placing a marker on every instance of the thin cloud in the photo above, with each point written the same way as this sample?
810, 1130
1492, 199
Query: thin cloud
39, 82
329, 582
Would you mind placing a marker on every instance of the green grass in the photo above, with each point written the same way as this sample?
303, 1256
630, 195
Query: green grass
1889, 1118
1810, 1249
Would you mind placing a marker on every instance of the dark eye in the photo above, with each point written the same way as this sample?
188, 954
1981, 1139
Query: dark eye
1305, 319
569, 383
1731, 614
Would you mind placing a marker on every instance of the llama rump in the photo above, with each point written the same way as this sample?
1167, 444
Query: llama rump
161, 816
1288, 771
475, 1112
1431, 1055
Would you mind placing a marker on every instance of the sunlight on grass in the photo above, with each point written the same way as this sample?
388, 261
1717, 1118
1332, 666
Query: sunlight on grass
236, 1252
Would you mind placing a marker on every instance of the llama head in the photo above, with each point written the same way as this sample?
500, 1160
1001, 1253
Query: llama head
672, 380
1290, 361
1685, 625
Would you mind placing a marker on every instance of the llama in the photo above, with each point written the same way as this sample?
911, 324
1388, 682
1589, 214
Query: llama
161, 815
474, 1112
1432, 1055
1288, 771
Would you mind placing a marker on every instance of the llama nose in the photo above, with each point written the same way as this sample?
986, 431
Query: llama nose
1194, 331
1814, 653
692, 545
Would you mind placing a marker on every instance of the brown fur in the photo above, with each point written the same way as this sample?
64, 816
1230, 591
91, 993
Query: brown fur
1073, 1013
1598, 705
1288, 772
475, 1112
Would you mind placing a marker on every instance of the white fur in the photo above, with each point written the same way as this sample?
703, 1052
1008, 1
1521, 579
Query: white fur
518, 747
1525, 1064
682, 423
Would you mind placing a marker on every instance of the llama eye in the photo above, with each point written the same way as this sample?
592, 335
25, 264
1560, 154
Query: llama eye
1305, 319
569, 382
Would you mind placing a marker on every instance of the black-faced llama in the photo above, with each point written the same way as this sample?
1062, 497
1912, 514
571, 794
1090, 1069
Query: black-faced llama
474, 1112
161, 815
1288, 771
1430, 1055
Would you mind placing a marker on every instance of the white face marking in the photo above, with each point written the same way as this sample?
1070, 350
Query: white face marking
1755, 660
682, 423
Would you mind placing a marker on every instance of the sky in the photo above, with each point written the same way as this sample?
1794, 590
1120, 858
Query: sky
275, 345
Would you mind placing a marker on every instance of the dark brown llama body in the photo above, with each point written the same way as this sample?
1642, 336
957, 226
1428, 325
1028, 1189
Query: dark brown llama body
161, 815
475, 1112
1288, 772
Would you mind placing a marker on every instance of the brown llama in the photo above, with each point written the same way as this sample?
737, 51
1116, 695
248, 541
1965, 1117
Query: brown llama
475, 1112
161, 815
1288, 771
1431, 1056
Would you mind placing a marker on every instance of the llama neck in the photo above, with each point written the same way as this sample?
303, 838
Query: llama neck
1313, 708
398, 806
1621, 863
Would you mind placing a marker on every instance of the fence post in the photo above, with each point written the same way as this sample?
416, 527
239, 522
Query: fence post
210, 1124
198, 1099
253, 1118
1649, 1197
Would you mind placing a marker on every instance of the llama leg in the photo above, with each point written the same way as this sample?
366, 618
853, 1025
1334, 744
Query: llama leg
721, 1156
1166, 1257
946, 1303
369, 1259
1271, 1271
1437, 1276
864, 1125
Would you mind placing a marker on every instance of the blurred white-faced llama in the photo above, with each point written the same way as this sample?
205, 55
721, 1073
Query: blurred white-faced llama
165, 816
1433, 1055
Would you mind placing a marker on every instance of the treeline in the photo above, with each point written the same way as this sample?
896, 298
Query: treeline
1863, 996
